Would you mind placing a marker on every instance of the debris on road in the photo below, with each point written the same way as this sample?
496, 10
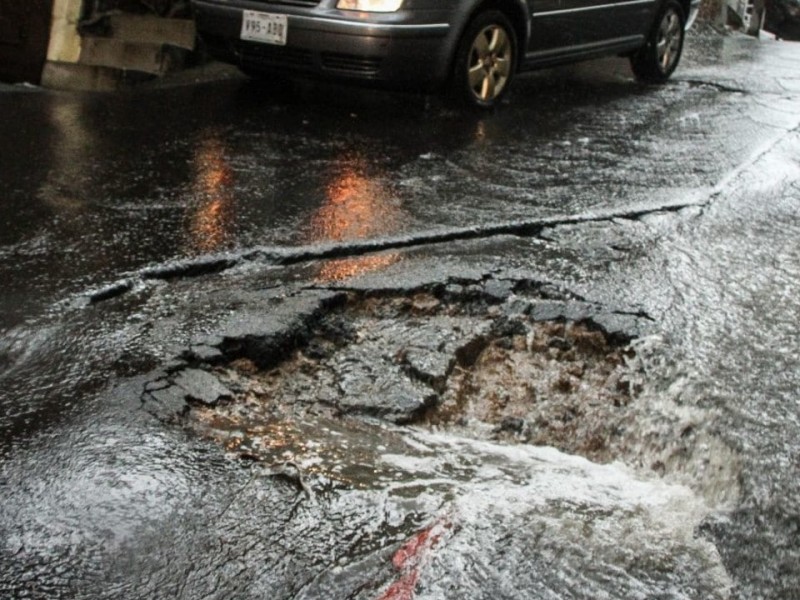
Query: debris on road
518, 362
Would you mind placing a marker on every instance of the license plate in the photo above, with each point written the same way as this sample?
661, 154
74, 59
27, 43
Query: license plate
264, 27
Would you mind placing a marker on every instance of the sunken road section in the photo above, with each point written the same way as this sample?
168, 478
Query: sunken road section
513, 361
500, 359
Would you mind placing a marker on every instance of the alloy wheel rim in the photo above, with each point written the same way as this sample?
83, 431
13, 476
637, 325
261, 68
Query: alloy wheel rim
490, 61
669, 41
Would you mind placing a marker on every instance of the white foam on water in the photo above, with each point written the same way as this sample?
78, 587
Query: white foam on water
533, 522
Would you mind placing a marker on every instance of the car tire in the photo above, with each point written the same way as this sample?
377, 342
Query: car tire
659, 57
485, 61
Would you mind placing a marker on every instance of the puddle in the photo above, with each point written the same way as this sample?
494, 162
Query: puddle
491, 360
553, 384
502, 438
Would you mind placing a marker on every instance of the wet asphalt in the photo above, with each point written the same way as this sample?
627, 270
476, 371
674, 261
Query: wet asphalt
135, 224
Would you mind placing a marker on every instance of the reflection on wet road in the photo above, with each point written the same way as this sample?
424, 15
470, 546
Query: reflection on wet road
119, 182
100, 500
211, 221
356, 207
64, 184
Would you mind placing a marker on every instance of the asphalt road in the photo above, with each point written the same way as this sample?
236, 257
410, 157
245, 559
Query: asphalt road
136, 226
97, 186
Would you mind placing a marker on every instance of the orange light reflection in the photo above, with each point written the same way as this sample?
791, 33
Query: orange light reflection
357, 206
211, 223
346, 268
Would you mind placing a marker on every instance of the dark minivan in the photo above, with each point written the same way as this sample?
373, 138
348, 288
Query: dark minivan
473, 46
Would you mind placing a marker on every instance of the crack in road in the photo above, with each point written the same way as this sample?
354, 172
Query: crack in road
720, 87
754, 158
523, 228
282, 256
532, 367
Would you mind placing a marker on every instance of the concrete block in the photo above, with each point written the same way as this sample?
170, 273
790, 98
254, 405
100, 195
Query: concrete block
106, 52
145, 29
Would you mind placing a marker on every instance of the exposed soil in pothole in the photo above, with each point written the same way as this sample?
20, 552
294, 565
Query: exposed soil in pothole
558, 384
516, 368
423, 360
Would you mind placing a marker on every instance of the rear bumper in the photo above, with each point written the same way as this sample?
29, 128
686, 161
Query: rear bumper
395, 50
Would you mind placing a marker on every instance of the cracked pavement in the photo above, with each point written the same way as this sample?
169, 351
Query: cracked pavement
268, 263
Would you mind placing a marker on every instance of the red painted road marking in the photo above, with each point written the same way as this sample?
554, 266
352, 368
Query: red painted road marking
409, 559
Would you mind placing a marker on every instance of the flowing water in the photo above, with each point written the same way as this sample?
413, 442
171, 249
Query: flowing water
98, 499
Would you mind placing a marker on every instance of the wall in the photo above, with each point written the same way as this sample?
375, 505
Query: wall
24, 38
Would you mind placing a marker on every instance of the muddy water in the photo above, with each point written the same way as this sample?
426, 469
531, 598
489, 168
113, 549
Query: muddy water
479, 501
724, 282
744, 357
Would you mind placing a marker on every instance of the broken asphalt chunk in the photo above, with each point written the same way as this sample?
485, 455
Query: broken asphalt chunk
387, 395
204, 354
619, 327
497, 291
167, 403
202, 386
266, 336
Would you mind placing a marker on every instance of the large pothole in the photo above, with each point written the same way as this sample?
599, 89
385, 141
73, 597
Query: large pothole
506, 361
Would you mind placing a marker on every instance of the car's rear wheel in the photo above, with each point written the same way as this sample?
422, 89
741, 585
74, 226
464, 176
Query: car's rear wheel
659, 57
485, 60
